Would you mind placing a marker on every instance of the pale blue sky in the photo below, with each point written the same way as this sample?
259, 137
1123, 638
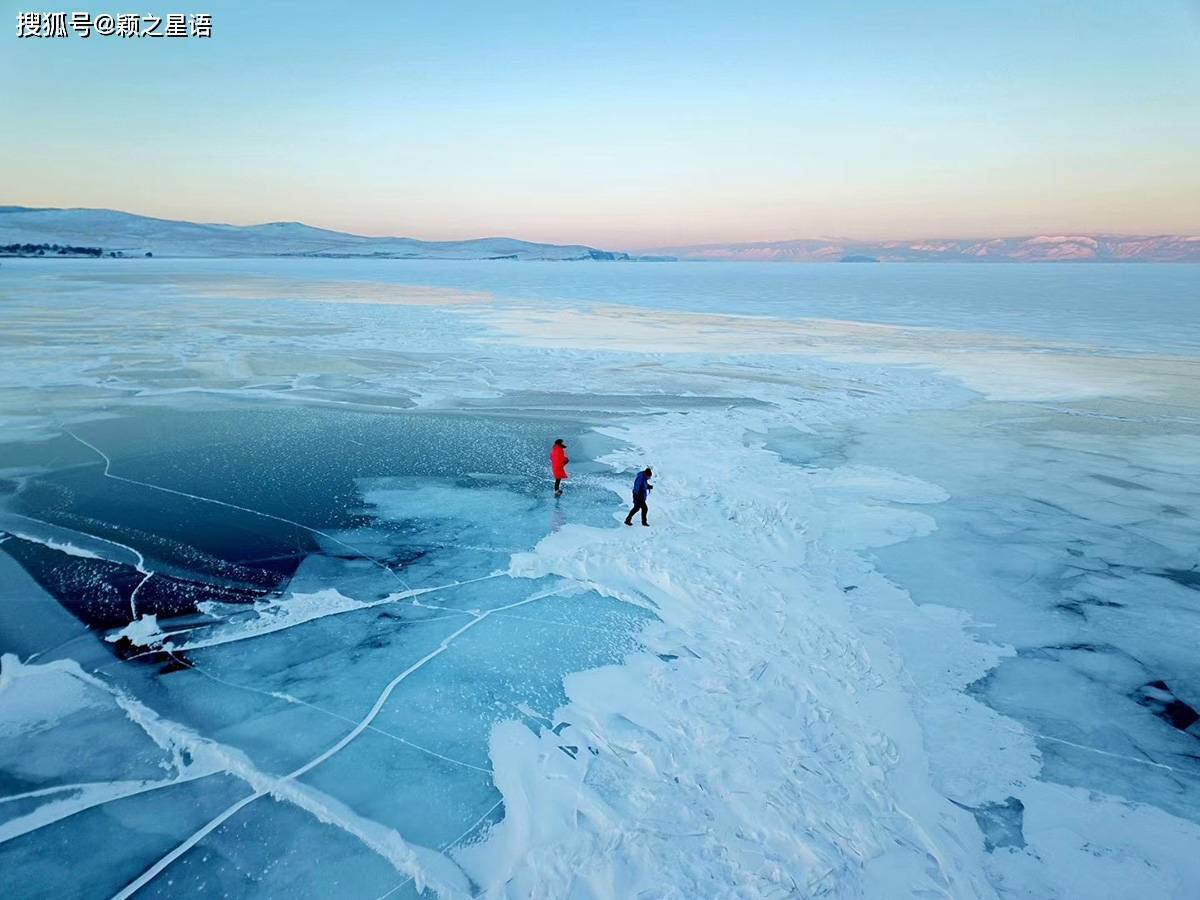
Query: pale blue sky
626, 124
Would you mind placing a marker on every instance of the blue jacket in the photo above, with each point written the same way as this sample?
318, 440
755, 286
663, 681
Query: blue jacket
640, 486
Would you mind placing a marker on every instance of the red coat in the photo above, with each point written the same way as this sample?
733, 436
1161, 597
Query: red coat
558, 461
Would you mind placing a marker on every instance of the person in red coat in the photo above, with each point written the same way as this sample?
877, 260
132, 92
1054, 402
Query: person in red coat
558, 465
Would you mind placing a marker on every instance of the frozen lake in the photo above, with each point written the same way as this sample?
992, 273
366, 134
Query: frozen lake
287, 606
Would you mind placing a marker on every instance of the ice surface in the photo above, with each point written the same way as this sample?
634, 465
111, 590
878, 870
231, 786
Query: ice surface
287, 607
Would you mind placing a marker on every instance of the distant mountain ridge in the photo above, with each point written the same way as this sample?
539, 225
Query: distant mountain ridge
1035, 248
127, 234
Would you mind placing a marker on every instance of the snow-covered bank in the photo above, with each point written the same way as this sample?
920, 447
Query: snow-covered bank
762, 745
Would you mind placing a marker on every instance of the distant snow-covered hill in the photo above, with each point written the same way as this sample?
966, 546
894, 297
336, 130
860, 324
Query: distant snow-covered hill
127, 234
1041, 248
132, 235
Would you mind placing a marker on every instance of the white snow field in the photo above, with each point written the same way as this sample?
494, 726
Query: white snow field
288, 608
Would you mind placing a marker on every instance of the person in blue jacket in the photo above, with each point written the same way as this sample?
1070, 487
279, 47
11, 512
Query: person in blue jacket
641, 487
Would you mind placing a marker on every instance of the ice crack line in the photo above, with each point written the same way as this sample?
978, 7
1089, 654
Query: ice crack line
139, 564
288, 698
155, 870
255, 512
219, 640
446, 846
194, 756
1122, 756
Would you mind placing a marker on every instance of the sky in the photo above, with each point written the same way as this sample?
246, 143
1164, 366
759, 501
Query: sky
622, 125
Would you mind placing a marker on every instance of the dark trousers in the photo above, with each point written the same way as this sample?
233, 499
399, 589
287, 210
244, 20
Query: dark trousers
638, 503
557, 484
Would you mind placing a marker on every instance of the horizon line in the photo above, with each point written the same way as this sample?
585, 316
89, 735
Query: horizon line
16, 208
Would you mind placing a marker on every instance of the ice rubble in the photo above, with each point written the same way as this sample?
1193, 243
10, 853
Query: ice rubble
792, 767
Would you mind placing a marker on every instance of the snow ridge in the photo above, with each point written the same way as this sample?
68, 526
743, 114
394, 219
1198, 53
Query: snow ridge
761, 743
